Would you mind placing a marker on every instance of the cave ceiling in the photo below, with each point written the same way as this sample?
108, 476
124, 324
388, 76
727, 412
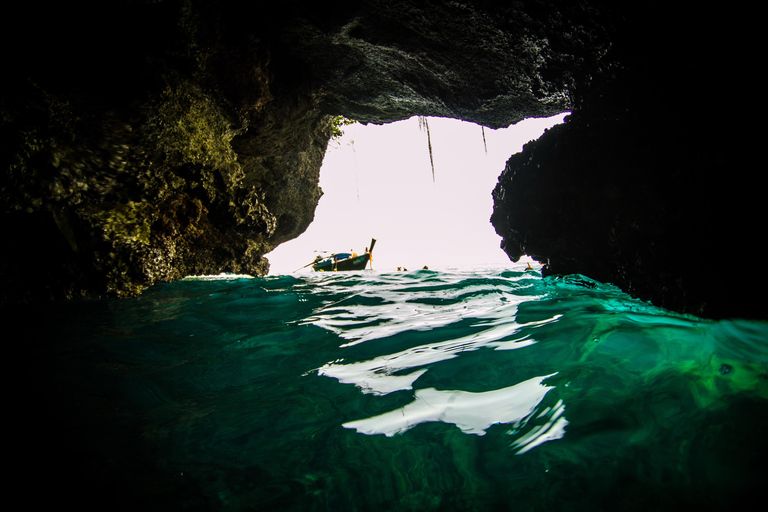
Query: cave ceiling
147, 140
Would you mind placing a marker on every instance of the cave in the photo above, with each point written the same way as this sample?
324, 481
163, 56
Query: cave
148, 140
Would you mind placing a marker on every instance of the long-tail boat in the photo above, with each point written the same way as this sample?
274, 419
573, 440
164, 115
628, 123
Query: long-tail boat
344, 260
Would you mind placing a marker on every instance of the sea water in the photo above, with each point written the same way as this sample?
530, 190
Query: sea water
451, 390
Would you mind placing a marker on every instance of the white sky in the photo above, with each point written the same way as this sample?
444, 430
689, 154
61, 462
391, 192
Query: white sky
377, 183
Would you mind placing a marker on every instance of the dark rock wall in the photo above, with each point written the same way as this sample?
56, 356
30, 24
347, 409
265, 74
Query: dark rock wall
649, 183
145, 140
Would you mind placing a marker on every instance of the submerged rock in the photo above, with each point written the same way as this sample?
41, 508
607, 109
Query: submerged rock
145, 141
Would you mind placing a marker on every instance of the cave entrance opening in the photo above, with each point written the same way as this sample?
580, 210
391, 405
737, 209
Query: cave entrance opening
425, 195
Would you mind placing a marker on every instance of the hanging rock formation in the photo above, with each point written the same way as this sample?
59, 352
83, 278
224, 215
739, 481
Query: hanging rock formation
146, 140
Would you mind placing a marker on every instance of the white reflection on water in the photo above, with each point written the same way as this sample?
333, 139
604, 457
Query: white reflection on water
553, 429
405, 308
375, 376
473, 413
484, 316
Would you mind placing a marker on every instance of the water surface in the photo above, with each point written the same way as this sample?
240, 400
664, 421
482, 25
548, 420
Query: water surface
491, 389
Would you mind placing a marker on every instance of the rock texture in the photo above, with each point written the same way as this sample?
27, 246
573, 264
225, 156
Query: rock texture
648, 184
144, 140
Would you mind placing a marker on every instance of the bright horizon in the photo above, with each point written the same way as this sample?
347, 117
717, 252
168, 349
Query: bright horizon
377, 183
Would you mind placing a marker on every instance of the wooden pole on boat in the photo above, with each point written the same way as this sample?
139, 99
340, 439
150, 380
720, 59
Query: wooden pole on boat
308, 264
305, 266
370, 252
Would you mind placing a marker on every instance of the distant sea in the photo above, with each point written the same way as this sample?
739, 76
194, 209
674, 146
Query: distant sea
489, 389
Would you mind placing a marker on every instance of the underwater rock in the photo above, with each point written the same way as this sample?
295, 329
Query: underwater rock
143, 141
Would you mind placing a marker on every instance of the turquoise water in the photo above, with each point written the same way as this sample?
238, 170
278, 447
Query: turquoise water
447, 391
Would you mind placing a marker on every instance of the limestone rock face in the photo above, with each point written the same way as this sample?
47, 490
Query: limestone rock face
494, 64
642, 186
146, 140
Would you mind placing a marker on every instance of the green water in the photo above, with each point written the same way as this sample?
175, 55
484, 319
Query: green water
445, 391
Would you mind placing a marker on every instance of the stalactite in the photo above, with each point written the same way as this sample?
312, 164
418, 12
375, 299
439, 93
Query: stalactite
485, 145
424, 125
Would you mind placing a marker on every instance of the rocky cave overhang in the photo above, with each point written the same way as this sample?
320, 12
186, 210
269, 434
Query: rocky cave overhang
151, 139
